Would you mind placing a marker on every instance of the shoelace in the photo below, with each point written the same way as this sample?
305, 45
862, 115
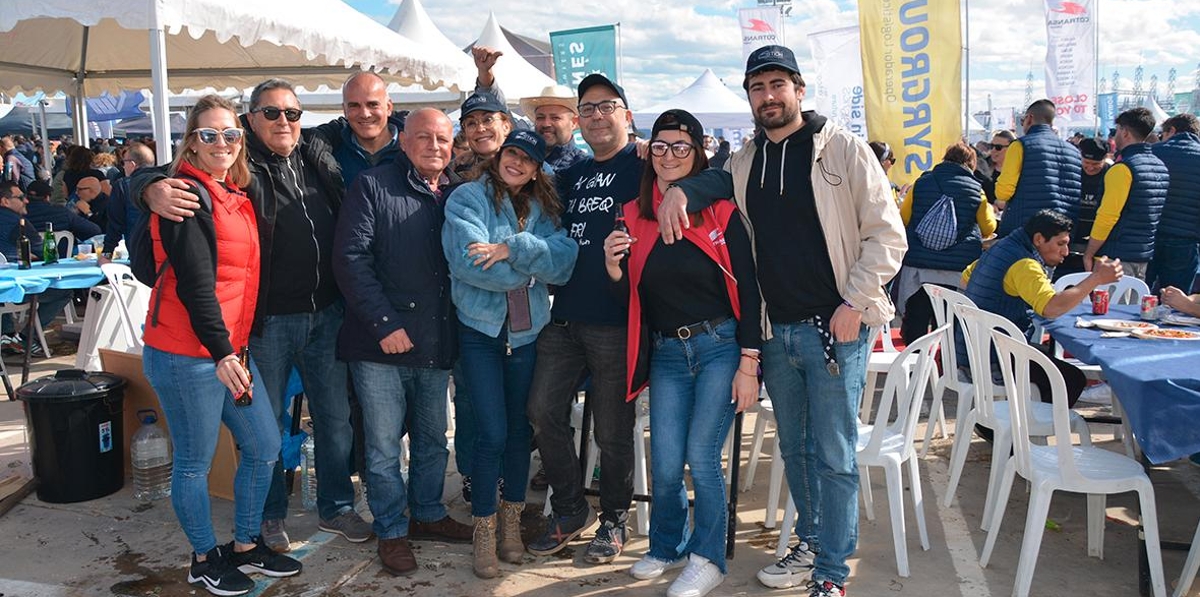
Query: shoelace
823, 589
794, 555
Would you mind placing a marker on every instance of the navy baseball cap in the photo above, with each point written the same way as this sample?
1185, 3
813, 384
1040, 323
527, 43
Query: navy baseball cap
595, 79
771, 57
482, 101
1093, 149
682, 121
530, 142
39, 189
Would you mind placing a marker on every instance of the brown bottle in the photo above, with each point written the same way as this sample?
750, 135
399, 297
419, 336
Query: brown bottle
24, 249
620, 226
246, 397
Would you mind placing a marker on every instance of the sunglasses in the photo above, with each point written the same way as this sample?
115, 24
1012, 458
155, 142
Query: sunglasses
209, 136
998, 146
272, 113
678, 149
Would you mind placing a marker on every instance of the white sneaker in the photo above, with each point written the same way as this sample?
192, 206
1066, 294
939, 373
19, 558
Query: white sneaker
792, 570
651, 567
700, 577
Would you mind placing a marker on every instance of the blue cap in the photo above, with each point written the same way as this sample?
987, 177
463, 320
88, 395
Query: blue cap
771, 58
595, 79
482, 101
531, 143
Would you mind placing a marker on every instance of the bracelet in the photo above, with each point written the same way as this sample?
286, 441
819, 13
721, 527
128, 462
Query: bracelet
754, 357
754, 375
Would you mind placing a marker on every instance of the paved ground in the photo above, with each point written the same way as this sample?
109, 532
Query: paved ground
116, 546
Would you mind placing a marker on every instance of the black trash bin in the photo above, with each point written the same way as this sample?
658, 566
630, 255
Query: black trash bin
77, 430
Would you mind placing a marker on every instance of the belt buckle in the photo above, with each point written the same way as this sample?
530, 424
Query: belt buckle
684, 332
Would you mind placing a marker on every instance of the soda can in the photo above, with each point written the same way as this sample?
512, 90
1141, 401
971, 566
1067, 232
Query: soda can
1100, 302
1150, 307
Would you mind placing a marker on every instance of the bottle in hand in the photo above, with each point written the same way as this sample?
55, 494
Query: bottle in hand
49, 246
24, 248
246, 397
620, 226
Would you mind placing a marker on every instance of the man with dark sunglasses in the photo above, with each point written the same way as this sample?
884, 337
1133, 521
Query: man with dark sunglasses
1039, 171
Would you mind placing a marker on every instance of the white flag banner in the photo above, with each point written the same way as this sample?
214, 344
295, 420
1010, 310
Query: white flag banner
839, 78
1071, 59
760, 27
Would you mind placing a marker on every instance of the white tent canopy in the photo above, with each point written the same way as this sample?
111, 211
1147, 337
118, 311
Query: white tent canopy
83, 48
414, 23
1155, 110
516, 77
709, 100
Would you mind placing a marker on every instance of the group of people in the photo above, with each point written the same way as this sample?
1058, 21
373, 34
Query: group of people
368, 256
1063, 207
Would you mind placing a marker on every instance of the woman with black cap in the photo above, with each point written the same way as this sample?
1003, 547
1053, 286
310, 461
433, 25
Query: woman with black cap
697, 303
504, 243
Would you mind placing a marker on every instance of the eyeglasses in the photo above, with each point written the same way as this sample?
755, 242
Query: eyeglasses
679, 149
208, 136
605, 107
891, 159
479, 123
272, 113
997, 146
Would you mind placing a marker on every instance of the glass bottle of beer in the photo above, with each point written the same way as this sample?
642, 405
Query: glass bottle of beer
246, 397
620, 226
24, 248
49, 246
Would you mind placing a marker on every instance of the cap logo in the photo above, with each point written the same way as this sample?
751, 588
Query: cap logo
769, 53
526, 136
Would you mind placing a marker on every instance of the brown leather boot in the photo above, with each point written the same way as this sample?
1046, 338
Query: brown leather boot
484, 547
396, 556
512, 548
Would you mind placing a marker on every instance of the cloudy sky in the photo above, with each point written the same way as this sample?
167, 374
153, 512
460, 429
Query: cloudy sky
668, 43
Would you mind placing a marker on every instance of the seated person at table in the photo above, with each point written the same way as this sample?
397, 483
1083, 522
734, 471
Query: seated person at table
1010, 279
42, 212
13, 207
92, 201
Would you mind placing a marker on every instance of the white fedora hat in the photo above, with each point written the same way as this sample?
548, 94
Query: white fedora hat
552, 95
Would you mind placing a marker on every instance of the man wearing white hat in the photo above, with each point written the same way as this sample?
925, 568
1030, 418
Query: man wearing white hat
555, 117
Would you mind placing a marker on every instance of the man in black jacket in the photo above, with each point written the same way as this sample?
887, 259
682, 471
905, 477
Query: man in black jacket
398, 336
42, 212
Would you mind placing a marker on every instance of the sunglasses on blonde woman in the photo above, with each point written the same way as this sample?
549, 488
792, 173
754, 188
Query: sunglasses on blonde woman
208, 136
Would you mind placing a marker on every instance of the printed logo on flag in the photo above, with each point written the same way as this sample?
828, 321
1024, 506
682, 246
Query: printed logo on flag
1070, 8
759, 25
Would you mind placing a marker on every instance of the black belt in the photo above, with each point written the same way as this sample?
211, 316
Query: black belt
684, 332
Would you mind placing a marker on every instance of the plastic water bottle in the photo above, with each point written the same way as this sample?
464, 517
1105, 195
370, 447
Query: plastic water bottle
150, 451
308, 473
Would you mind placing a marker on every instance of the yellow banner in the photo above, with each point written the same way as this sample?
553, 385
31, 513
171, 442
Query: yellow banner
912, 64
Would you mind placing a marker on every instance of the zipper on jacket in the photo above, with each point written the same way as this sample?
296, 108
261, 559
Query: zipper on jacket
312, 297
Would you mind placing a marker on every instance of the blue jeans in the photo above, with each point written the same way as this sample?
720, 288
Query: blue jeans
691, 385
464, 422
308, 341
1175, 262
195, 404
499, 393
817, 416
389, 394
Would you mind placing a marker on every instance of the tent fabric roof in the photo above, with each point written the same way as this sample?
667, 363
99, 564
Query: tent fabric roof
709, 100
20, 120
333, 37
411, 21
516, 77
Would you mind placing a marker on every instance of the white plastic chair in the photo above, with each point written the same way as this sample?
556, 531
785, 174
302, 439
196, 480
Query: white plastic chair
888, 443
766, 415
119, 277
59, 236
18, 312
1190, 567
1063, 466
878, 364
943, 301
994, 414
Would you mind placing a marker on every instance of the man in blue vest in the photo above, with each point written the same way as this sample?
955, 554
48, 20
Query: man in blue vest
1011, 280
1135, 190
1177, 246
1040, 171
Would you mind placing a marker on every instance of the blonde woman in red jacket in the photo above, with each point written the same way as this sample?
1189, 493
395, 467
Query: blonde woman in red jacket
201, 312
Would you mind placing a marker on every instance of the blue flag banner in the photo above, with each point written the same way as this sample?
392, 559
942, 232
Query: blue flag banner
113, 107
1106, 109
581, 52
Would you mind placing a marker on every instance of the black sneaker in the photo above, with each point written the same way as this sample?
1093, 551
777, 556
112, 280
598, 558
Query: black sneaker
607, 544
264, 560
218, 575
561, 530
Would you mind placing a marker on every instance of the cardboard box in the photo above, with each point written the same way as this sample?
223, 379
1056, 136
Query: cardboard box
139, 395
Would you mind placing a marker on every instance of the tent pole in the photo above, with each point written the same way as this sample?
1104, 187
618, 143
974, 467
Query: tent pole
967, 45
158, 103
47, 159
81, 128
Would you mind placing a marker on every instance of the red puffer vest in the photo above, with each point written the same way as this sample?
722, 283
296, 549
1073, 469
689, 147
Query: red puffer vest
238, 262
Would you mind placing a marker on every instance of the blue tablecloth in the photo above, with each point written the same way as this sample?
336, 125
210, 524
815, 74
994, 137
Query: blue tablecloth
1157, 381
67, 274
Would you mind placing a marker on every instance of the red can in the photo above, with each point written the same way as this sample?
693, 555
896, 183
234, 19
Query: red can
1149, 307
1100, 302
